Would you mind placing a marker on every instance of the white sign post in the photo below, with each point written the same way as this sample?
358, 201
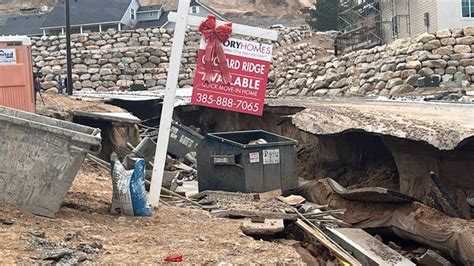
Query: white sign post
182, 20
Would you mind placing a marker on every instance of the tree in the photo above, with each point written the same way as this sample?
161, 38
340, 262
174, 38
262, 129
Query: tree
325, 15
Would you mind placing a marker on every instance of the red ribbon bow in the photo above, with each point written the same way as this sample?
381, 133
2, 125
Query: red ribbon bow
215, 36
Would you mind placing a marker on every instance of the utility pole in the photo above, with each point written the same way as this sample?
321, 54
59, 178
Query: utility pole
68, 48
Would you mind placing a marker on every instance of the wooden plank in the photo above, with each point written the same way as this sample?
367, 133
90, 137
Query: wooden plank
169, 101
324, 239
261, 214
236, 28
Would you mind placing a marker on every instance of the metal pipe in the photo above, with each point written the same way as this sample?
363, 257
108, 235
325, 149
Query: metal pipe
68, 48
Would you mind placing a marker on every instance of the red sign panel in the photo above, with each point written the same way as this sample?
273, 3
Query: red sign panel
249, 64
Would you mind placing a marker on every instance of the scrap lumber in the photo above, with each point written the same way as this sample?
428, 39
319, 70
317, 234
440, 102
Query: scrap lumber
324, 239
108, 166
323, 213
249, 214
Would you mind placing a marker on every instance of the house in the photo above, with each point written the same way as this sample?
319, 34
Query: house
97, 16
374, 22
150, 17
410, 17
92, 15
23, 25
197, 8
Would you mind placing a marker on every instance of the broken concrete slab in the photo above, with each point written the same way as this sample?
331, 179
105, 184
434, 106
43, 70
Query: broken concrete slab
365, 248
413, 221
268, 227
110, 117
408, 120
370, 194
431, 258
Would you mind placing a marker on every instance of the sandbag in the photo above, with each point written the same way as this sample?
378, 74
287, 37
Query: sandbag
129, 194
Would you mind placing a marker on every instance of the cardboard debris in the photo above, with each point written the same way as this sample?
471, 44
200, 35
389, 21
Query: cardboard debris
292, 200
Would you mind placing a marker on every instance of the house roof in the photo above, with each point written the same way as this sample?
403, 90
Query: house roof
88, 12
23, 25
210, 9
157, 23
149, 8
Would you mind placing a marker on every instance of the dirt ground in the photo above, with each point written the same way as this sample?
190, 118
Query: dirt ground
85, 221
52, 100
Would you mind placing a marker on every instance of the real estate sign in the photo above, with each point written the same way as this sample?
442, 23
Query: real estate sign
7, 56
248, 63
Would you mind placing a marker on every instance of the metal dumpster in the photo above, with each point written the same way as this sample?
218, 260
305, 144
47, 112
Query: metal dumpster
226, 161
183, 140
39, 159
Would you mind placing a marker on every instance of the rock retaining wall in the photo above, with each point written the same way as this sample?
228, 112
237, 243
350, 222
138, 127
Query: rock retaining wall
110, 60
384, 70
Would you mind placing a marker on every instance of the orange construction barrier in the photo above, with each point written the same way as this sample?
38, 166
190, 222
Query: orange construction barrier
16, 73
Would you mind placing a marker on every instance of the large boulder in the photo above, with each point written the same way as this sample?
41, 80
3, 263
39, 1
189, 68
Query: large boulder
462, 49
431, 45
443, 33
394, 82
437, 63
413, 65
425, 38
402, 89
469, 31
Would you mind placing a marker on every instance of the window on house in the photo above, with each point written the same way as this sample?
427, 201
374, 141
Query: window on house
395, 26
195, 9
467, 8
132, 14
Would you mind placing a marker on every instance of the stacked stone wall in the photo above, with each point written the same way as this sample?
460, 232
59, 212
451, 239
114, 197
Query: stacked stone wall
112, 60
385, 70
